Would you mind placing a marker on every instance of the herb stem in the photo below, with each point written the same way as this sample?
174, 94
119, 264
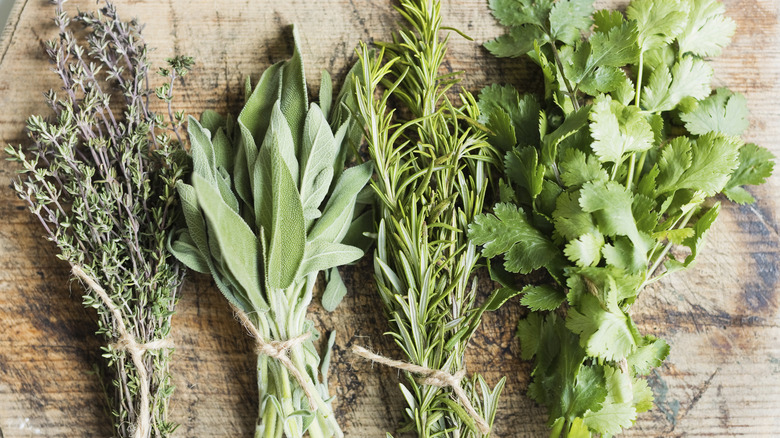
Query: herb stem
569, 89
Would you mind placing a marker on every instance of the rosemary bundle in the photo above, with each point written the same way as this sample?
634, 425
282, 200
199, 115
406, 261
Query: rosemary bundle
432, 178
100, 177
268, 206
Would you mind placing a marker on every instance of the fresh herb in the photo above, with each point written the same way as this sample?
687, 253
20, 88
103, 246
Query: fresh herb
432, 167
616, 164
268, 208
100, 177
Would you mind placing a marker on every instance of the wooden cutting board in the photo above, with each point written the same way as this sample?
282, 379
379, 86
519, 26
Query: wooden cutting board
721, 317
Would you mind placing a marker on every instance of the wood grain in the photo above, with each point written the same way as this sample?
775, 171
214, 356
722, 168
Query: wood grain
721, 317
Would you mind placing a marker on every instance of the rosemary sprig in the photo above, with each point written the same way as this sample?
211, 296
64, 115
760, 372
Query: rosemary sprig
270, 206
99, 176
432, 168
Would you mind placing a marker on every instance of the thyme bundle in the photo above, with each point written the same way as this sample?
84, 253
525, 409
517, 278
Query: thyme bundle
99, 176
270, 205
432, 178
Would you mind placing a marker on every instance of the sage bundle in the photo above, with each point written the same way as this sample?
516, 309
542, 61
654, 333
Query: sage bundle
100, 176
268, 207
432, 179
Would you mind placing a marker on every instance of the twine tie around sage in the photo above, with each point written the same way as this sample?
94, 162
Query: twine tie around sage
127, 342
278, 350
431, 377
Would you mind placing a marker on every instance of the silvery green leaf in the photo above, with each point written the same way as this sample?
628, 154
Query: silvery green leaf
223, 150
318, 153
287, 233
326, 92
358, 232
334, 291
242, 171
281, 139
212, 120
222, 179
322, 254
338, 212
238, 245
202, 150
256, 113
293, 96
185, 250
196, 227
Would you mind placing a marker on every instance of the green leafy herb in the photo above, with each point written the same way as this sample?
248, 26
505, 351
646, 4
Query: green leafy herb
268, 206
631, 147
432, 168
100, 176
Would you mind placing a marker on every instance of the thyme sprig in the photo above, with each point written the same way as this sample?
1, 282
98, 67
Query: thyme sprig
432, 177
99, 175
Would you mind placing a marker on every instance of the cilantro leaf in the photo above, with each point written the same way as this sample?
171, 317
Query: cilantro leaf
519, 12
689, 77
603, 333
586, 250
724, 112
522, 112
578, 168
649, 355
713, 159
569, 19
508, 232
707, 30
658, 22
542, 297
617, 129
755, 166
517, 42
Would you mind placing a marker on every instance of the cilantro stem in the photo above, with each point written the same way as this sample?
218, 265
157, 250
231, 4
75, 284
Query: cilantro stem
630, 176
569, 89
639, 75
668, 247
640, 166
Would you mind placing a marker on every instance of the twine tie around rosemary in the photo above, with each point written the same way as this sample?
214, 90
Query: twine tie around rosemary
136, 350
278, 350
431, 377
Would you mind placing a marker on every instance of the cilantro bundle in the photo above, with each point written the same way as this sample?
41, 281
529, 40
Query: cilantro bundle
432, 167
268, 207
100, 176
618, 162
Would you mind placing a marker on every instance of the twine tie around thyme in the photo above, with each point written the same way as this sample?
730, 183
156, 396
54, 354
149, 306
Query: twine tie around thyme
128, 343
438, 378
278, 350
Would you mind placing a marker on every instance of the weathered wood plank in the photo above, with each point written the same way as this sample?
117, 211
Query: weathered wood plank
721, 317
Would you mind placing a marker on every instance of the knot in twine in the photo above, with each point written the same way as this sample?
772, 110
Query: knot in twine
128, 343
431, 377
278, 350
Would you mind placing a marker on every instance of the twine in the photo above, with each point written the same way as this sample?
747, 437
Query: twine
438, 378
128, 343
278, 350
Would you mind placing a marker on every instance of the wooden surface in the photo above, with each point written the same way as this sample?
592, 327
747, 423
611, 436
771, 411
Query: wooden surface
721, 317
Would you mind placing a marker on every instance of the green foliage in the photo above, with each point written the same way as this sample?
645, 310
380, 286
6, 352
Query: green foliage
631, 146
432, 177
267, 209
100, 176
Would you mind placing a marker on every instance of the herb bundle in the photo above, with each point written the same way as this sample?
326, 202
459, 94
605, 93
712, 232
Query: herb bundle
100, 177
432, 167
268, 207
618, 163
